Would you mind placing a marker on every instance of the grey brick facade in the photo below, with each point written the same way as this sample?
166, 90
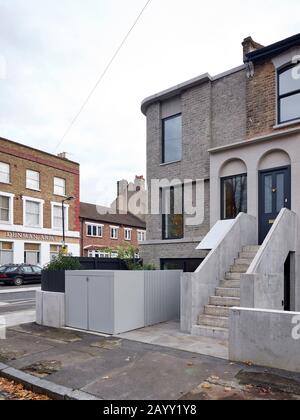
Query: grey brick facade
213, 114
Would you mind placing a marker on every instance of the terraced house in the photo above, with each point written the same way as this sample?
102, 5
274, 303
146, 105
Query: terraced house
239, 132
34, 189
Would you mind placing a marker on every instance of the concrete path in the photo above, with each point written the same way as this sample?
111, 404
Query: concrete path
169, 335
116, 368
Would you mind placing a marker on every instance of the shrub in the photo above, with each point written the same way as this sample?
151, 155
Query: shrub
63, 263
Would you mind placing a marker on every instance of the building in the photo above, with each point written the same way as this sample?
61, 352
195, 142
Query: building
100, 232
33, 185
239, 132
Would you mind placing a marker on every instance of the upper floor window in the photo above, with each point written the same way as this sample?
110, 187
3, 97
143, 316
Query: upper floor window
288, 94
141, 236
60, 186
234, 196
58, 219
4, 209
172, 139
127, 234
114, 232
33, 213
4, 173
32, 180
94, 230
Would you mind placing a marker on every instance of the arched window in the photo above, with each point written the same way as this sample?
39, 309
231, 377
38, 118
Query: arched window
289, 94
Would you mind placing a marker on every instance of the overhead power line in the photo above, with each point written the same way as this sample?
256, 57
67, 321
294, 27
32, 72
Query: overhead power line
101, 77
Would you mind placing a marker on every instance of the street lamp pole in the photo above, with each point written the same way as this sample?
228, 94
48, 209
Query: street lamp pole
63, 219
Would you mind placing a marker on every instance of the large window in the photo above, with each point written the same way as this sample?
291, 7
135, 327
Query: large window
188, 265
32, 180
288, 94
6, 253
60, 186
32, 213
234, 196
4, 173
57, 217
172, 139
172, 211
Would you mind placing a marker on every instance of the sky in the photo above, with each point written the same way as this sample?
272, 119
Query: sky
53, 51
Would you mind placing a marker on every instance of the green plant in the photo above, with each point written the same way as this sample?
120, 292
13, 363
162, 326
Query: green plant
63, 263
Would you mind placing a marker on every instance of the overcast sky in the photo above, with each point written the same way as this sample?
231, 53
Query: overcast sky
54, 51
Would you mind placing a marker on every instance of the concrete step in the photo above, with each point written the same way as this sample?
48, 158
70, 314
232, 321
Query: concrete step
250, 255
251, 248
214, 332
228, 292
222, 311
243, 261
230, 283
239, 268
224, 301
213, 321
233, 276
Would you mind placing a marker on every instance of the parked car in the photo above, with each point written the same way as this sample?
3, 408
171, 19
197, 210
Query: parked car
20, 274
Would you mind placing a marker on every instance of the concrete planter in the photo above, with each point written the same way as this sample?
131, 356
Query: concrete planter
54, 281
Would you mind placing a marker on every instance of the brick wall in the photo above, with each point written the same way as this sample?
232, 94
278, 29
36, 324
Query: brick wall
106, 241
21, 158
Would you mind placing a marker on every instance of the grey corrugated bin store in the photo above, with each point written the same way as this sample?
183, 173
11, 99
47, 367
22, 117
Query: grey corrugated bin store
113, 302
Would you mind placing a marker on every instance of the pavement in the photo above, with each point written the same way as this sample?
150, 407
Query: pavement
114, 368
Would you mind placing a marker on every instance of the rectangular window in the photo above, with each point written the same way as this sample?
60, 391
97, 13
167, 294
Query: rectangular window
6, 253
172, 139
289, 94
33, 213
4, 209
4, 173
60, 187
172, 213
94, 230
186, 265
58, 217
32, 180
127, 234
234, 196
32, 254
114, 233
141, 236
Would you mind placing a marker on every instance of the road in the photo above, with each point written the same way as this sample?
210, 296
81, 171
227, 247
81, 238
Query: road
17, 299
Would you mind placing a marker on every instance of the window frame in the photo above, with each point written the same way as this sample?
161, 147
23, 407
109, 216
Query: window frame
66, 207
11, 208
164, 215
39, 180
9, 173
163, 143
65, 186
126, 231
223, 193
141, 234
92, 225
41, 204
286, 95
117, 229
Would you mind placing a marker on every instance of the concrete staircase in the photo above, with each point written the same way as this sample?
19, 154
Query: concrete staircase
215, 320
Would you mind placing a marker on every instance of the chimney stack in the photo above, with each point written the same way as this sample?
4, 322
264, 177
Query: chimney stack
249, 45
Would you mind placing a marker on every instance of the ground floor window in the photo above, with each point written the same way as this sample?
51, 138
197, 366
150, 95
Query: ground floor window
102, 254
188, 265
32, 254
55, 250
172, 211
234, 196
6, 253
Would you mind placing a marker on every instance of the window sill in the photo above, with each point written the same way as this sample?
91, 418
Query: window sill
5, 183
287, 124
96, 237
171, 163
32, 189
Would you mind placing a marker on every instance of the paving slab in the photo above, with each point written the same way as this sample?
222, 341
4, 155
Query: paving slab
169, 335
